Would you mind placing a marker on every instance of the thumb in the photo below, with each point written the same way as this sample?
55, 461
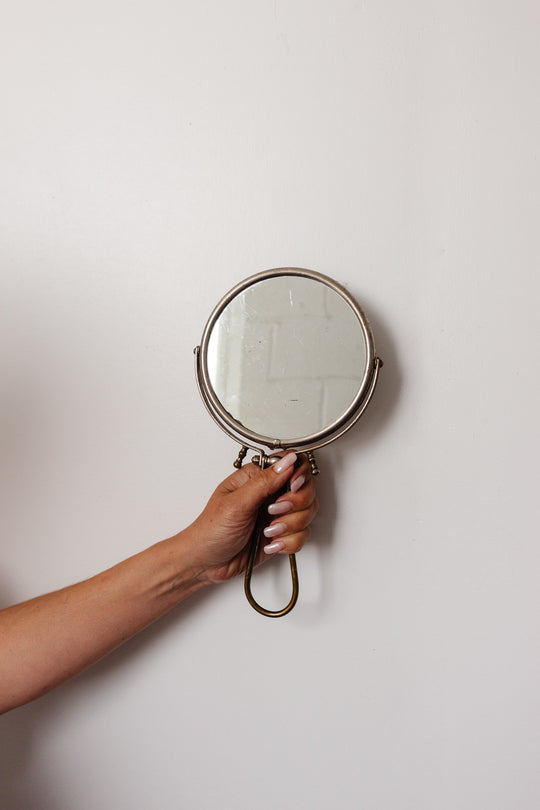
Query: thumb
264, 483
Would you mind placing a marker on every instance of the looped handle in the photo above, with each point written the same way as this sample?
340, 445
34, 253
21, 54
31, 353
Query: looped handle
264, 461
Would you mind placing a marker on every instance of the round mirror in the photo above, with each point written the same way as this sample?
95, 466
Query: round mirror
287, 359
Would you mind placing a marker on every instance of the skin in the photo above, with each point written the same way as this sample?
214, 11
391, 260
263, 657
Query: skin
49, 639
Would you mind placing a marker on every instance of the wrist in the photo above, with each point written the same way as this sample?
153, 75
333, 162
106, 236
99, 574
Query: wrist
182, 575
192, 565
202, 555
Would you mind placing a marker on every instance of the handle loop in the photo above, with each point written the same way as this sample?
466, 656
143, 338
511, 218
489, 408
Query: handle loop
264, 461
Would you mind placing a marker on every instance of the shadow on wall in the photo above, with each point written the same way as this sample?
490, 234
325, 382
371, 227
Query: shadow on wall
387, 393
25, 783
345, 451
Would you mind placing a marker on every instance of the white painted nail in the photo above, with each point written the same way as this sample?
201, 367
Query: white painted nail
284, 463
298, 483
275, 547
275, 530
280, 508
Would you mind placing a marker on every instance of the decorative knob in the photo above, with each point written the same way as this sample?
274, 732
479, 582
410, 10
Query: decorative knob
241, 457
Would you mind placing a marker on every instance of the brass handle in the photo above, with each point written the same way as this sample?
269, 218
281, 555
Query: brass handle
263, 461
247, 586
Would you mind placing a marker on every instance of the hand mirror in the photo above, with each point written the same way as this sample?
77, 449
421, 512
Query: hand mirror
286, 361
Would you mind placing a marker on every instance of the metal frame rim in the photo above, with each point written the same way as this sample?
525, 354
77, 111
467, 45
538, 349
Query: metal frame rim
313, 440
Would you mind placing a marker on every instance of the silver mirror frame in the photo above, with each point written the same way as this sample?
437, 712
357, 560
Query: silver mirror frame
341, 425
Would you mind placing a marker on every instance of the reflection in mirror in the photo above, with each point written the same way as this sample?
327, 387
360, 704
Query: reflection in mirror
287, 356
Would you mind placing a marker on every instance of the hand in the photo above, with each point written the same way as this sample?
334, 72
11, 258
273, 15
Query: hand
224, 528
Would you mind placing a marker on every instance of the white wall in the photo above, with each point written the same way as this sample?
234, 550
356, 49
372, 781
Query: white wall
152, 155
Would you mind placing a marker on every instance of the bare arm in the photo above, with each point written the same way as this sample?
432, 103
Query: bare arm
47, 640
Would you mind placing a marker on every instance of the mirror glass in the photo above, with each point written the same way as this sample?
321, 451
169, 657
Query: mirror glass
287, 357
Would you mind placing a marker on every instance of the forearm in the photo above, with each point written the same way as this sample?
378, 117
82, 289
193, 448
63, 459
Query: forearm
47, 640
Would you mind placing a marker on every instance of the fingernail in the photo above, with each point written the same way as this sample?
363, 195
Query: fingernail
280, 508
297, 483
285, 462
273, 548
275, 530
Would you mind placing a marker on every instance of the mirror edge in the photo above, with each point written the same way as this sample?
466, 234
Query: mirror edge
312, 441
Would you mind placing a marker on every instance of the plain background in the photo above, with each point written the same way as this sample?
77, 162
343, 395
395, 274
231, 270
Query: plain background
152, 156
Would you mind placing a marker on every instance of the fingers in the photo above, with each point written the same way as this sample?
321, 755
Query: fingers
293, 513
254, 485
292, 510
286, 543
301, 492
